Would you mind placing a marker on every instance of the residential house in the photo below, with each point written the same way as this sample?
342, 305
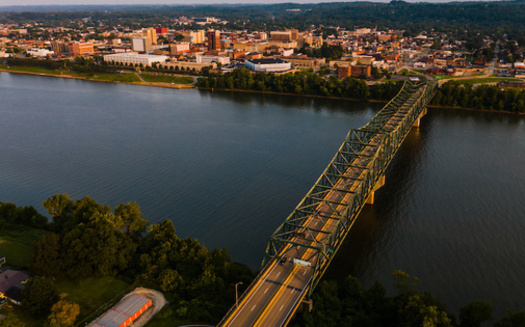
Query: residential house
12, 284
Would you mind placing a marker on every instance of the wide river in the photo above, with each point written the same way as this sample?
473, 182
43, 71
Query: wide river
228, 168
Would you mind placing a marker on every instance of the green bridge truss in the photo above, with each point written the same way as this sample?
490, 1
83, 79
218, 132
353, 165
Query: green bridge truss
411, 100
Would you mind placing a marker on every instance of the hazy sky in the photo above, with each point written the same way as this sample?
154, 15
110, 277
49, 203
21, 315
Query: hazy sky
173, 2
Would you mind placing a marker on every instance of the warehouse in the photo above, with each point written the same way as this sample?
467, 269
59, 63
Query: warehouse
134, 59
122, 315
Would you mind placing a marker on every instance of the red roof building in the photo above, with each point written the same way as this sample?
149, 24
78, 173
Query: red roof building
122, 315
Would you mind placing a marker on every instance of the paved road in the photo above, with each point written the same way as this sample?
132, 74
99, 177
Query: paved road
274, 297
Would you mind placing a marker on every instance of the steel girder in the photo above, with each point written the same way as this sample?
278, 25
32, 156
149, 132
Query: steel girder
350, 177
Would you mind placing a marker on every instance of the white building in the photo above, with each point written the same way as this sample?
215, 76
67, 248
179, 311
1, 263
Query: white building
40, 52
141, 44
269, 65
287, 53
209, 59
134, 58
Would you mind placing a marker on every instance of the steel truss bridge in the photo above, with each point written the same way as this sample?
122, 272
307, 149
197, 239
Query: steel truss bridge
303, 246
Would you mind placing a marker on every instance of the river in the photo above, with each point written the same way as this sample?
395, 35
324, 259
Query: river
228, 168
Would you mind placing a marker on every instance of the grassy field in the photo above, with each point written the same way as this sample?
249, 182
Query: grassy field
484, 80
108, 77
91, 293
167, 79
23, 316
36, 70
15, 242
440, 77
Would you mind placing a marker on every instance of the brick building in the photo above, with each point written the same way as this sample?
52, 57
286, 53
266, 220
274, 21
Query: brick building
80, 49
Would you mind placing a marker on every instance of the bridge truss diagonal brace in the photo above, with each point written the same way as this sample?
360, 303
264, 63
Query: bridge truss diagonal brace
411, 96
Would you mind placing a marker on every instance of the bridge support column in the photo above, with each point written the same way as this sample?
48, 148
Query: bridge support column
307, 305
378, 185
418, 120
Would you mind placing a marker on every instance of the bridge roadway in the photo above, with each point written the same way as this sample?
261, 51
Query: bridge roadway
280, 287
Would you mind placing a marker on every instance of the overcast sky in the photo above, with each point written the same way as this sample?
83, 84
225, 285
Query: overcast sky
172, 2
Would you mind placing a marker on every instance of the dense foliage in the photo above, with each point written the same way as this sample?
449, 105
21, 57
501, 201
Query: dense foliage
303, 82
39, 295
63, 314
348, 303
79, 65
28, 216
11, 320
91, 239
498, 19
482, 97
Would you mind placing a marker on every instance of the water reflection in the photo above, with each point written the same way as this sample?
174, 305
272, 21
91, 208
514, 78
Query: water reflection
290, 101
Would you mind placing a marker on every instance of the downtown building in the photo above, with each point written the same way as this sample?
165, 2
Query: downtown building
268, 65
134, 59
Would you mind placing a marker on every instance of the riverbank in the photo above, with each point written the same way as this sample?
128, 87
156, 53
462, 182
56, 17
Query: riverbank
287, 94
107, 78
126, 79
478, 110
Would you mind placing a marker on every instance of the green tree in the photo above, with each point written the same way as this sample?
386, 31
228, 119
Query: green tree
170, 280
514, 319
63, 314
39, 295
11, 321
59, 207
47, 256
475, 313
131, 217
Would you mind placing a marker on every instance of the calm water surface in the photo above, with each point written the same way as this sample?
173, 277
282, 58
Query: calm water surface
228, 169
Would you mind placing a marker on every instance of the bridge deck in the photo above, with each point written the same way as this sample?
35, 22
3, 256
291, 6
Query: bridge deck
278, 290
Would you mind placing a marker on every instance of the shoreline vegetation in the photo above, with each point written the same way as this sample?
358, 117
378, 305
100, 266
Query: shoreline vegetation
99, 78
452, 95
64, 255
197, 282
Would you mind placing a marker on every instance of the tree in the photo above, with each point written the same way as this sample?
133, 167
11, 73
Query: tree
515, 319
63, 314
404, 283
131, 218
58, 206
11, 321
47, 256
170, 280
39, 295
473, 314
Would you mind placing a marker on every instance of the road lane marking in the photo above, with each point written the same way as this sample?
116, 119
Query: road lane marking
254, 307
281, 307
310, 220
278, 274
266, 290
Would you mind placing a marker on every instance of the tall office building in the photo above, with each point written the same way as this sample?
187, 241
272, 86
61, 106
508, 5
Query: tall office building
151, 33
214, 40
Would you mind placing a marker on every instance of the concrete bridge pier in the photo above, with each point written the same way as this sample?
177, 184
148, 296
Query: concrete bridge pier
378, 185
307, 305
418, 120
